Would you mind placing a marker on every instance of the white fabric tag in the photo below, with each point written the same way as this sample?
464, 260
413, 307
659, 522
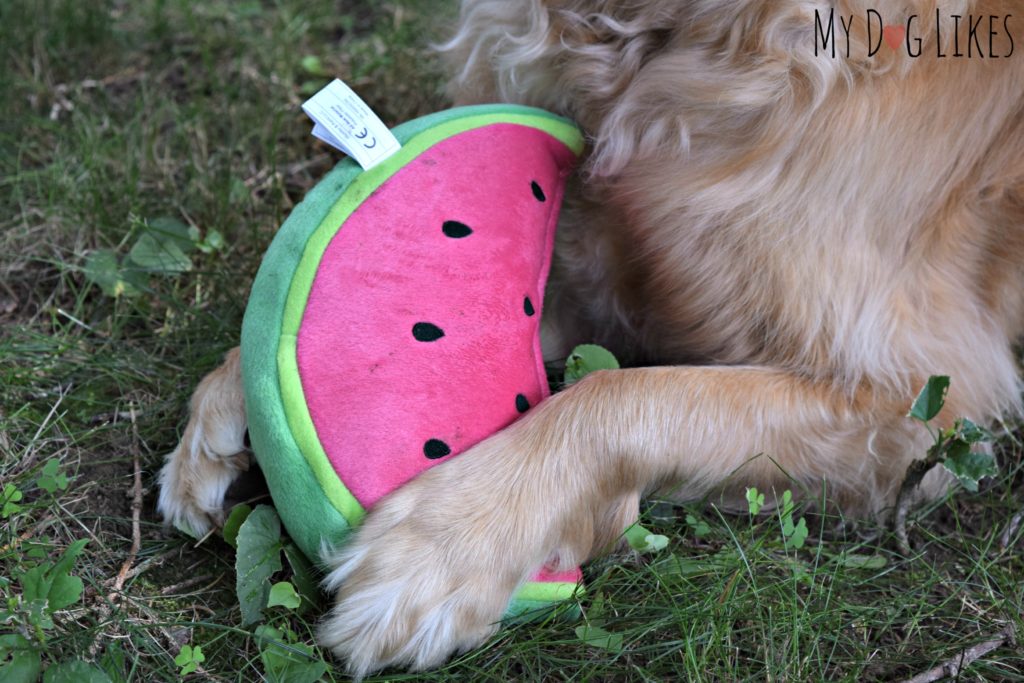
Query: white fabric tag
344, 121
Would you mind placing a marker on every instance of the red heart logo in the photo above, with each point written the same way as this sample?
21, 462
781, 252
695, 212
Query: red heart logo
893, 36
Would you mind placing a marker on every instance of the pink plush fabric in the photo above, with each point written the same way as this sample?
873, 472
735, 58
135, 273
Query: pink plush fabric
387, 395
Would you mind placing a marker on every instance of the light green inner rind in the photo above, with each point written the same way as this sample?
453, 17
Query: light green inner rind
534, 600
295, 407
548, 591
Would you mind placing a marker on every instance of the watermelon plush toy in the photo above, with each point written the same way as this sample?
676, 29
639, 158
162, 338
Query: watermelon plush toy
394, 321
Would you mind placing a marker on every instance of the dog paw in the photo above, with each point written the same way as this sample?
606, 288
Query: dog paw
211, 455
432, 569
435, 564
193, 486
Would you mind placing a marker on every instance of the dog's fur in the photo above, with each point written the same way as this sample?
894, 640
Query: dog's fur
796, 241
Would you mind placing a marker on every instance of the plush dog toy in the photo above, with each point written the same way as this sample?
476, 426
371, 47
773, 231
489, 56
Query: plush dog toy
394, 321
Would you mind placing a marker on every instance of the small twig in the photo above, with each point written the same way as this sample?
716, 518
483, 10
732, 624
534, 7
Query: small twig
915, 473
104, 611
113, 416
122, 575
1011, 530
952, 667
150, 562
202, 540
187, 583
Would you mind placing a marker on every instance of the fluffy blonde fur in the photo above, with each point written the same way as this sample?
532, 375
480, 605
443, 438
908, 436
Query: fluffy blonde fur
797, 241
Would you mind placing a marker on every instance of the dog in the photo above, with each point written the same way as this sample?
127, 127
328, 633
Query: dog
784, 225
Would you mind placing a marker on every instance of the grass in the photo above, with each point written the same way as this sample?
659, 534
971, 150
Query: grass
118, 115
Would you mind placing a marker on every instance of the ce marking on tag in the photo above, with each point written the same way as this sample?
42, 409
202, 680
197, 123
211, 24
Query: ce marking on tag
366, 134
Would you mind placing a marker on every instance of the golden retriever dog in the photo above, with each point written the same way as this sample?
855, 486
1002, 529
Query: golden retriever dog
782, 243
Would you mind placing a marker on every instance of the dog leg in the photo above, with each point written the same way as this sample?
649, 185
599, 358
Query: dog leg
211, 454
434, 565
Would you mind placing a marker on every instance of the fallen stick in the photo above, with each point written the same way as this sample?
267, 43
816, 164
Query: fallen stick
915, 473
952, 667
133, 552
104, 611
1011, 529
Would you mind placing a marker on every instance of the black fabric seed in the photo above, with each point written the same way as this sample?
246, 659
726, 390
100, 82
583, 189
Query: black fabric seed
435, 448
522, 405
528, 306
455, 229
427, 332
537, 192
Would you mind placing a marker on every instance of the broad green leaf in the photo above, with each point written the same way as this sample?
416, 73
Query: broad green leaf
755, 500
152, 255
39, 613
672, 566
258, 557
798, 536
970, 432
587, 358
595, 636
11, 492
167, 229
214, 241
971, 467
238, 514
67, 559
13, 641
10, 497
643, 541
303, 578
23, 667
103, 269
184, 655
35, 584
699, 526
286, 661
787, 525
787, 503
312, 65
65, 591
655, 542
956, 448
282, 594
75, 671
855, 561
931, 399
189, 658
51, 478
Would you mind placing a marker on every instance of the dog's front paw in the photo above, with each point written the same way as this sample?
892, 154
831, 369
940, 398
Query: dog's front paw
433, 568
211, 455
